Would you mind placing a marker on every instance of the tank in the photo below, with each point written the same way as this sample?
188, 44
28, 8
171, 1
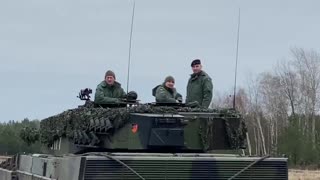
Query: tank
131, 140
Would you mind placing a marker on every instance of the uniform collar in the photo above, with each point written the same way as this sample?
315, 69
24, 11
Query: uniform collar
196, 75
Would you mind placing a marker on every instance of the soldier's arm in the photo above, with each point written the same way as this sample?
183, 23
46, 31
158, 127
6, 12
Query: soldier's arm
187, 94
162, 96
99, 97
207, 92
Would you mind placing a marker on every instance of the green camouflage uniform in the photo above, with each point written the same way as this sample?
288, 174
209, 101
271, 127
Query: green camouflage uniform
109, 94
166, 95
199, 89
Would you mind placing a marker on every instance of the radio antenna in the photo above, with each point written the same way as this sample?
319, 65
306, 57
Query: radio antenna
235, 74
129, 58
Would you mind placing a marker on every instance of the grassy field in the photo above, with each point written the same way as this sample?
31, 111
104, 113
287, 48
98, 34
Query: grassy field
303, 174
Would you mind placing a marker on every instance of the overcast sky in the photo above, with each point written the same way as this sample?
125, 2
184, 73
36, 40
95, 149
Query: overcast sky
49, 50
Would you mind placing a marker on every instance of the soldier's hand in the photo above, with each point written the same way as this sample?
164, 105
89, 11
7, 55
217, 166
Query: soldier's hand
193, 104
118, 101
179, 97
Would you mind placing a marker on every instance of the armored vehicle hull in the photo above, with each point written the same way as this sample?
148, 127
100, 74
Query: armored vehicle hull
123, 166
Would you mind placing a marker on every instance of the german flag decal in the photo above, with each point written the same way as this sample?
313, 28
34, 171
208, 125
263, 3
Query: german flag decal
134, 128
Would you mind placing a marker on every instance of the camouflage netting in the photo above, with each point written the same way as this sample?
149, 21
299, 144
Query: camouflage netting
81, 121
235, 136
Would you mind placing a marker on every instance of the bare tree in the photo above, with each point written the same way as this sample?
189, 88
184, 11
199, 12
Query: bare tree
222, 100
289, 82
254, 114
274, 106
273, 101
307, 64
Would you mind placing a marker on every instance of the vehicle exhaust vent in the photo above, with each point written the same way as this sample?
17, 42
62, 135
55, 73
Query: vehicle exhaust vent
184, 169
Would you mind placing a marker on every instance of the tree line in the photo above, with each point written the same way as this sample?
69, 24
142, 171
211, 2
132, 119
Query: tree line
10, 139
281, 108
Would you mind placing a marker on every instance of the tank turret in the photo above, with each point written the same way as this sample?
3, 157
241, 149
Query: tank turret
134, 127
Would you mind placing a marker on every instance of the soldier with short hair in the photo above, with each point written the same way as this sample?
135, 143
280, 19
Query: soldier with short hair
166, 92
199, 88
109, 90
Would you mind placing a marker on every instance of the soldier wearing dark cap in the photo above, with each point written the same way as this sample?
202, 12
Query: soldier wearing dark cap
166, 93
199, 88
109, 90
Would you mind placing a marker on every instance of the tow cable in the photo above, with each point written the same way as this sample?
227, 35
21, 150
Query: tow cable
247, 167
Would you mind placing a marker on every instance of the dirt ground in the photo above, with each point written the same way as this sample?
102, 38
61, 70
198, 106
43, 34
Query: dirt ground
303, 174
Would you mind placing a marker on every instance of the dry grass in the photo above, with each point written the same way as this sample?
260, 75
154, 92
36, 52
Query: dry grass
303, 174
3, 158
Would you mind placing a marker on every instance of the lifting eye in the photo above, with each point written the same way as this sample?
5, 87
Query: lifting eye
134, 128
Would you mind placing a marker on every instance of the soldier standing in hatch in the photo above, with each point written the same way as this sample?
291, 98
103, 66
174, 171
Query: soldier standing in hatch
199, 88
166, 93
109, 90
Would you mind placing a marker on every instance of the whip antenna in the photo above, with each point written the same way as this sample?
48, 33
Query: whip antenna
235, 74
129, 58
